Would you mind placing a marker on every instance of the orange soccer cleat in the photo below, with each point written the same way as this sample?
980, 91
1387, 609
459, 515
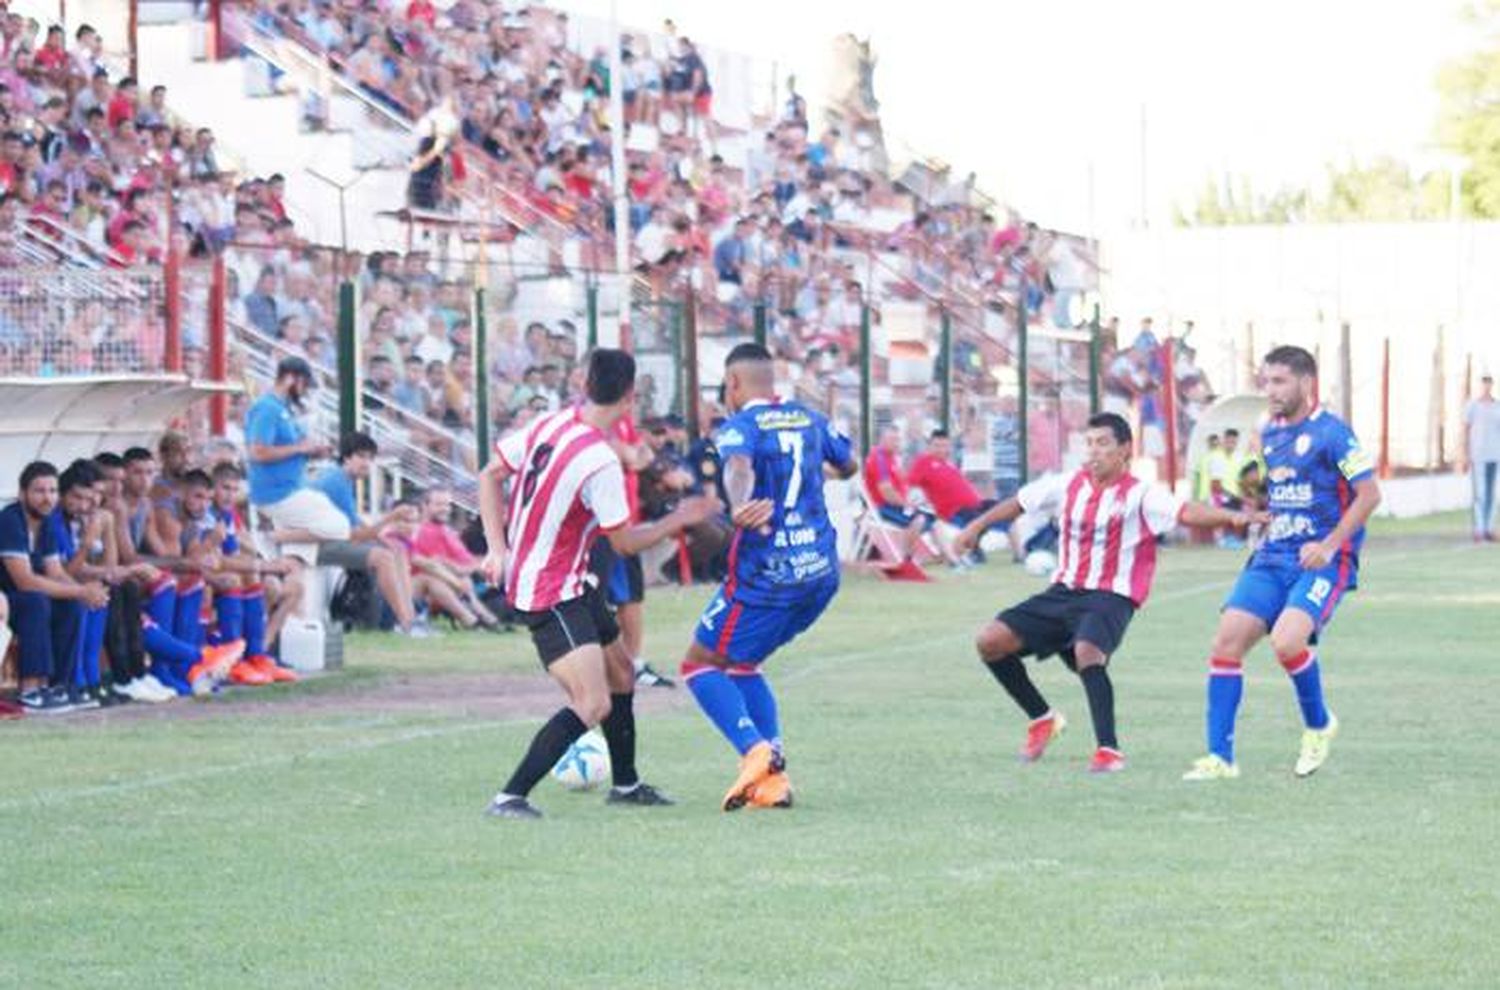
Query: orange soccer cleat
271, 669
1040, 735
774, 791
246, 673
755, 766
214, 666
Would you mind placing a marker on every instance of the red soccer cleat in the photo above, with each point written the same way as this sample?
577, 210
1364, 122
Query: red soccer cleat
1040, 735
246, 673
271, 669
1106, 760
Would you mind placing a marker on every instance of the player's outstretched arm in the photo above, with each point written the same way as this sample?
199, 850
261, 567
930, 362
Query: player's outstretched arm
968, 538
1316, 556
492, 516
689, 512
1200, 515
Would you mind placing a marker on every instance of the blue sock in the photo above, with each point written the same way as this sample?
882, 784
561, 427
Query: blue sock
171, 658
1306, 678
723, 704
1226, 684
253, 607
230, 609
93, 644
187, 625
162, 608
760, 703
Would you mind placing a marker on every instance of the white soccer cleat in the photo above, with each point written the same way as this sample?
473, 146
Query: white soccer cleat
1315, 743
1211, 767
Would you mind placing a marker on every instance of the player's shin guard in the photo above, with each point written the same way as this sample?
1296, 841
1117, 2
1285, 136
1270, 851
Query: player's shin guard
722, 702
1101, 695
760, 703
253, 607
1011, 673
547, 747
229, 607
619, 733
1226, 684
1302, 668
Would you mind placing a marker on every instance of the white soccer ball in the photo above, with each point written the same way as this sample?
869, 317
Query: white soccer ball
585, 765
1040, 563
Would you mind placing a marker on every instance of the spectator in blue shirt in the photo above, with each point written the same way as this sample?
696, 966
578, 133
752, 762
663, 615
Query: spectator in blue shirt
363, 551
278, 451
733, 251
43, 601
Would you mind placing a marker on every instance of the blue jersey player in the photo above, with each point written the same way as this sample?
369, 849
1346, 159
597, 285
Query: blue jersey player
1321, 488
783, 566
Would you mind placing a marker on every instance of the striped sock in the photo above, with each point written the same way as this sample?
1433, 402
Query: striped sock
1226, 685
1302, 668
722, 702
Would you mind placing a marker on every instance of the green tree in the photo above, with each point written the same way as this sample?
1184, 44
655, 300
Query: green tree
1469, 121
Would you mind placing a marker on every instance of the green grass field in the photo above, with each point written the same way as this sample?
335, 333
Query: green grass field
330, 834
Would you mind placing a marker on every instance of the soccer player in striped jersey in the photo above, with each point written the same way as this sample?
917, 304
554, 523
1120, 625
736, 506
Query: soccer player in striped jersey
567, 487
1109, 522
783, 566
1321, 489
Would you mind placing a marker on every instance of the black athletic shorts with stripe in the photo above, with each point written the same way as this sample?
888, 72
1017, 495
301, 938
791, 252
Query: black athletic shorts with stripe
1053, 621
566, 626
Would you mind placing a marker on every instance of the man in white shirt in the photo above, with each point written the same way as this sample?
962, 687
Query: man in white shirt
1482, 456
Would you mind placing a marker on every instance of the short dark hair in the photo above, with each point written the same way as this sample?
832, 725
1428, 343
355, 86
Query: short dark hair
1114, 423
133, 454
356, 442
611, 376
226, 471
197, 478
80, 474
747, 352
35, 470
1232, 432
109, 459
938, 434
1295, 359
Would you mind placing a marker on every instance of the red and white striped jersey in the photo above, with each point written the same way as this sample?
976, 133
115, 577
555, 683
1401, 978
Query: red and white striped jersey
1108, 534
567, 486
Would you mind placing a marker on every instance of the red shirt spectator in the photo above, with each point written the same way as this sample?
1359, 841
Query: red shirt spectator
121, 107
943, 483
883, 467
422, 10
434, 539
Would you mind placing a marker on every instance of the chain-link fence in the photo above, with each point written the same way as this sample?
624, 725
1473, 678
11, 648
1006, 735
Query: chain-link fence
59, 321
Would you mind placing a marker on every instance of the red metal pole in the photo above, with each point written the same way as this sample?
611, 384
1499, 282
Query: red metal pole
216, 28
1169, 407
218, 349
1385, 409
135, 16
172, 285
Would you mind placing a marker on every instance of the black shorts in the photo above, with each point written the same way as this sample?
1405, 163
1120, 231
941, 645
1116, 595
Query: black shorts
568, 625
1054, 620
620, 575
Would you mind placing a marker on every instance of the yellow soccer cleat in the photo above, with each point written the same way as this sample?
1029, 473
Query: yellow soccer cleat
1211, 767
1315, 743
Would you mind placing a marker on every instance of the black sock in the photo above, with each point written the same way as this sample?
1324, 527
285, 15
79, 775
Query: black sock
1101, 703
1011, 673
547, 747
619, 732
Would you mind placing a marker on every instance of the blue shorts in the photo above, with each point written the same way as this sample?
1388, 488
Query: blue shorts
903, 517
743, 632
1266, 589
